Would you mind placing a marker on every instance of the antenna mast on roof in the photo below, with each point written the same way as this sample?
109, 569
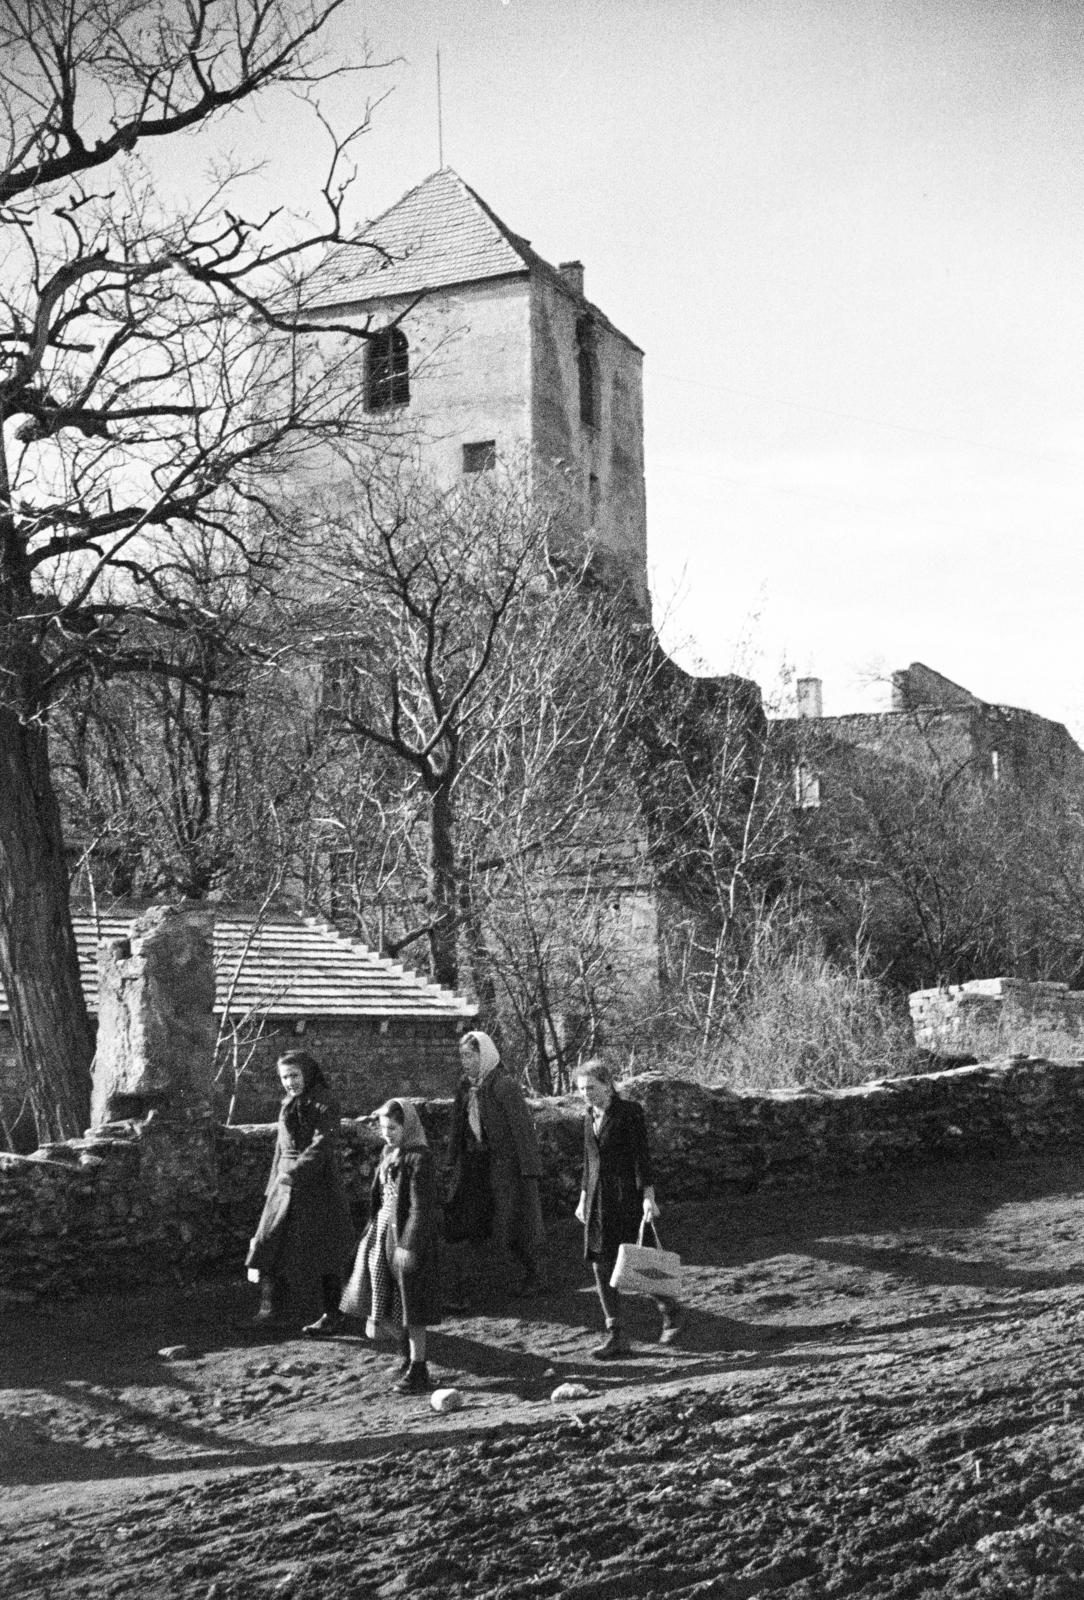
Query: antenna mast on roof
440, 118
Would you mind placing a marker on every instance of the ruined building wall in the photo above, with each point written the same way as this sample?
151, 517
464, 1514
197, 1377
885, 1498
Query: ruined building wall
604, 453
993, 1016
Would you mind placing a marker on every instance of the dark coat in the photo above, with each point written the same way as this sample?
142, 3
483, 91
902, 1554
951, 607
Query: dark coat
417, 1228
305, 1229
616, 1170
492, 1187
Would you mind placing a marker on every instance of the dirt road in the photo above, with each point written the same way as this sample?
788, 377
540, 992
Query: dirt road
880, 1393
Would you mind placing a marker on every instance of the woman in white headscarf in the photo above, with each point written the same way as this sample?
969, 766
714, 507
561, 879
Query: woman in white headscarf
494, 1165
395, 1284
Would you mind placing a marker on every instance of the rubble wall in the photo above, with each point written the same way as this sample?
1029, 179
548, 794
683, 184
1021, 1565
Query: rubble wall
999, 1016
87, 1214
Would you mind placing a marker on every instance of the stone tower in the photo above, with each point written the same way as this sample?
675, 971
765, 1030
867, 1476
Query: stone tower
484, 351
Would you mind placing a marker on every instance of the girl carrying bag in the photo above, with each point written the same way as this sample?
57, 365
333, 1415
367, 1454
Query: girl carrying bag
647, 1269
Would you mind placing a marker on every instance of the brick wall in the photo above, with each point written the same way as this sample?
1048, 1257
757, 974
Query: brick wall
365, 1062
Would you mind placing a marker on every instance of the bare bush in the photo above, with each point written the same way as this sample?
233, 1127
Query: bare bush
804, 1021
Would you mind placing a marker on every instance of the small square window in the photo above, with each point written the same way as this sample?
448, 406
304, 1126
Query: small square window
480, 456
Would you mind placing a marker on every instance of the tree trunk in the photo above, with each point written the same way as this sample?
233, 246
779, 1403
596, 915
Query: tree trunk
481, 961
39, 966
442, 886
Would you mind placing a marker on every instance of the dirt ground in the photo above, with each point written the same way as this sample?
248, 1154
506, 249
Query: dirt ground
879, 1393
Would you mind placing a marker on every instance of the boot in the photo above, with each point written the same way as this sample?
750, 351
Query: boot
270, 1315
673, 1320
415, 1379
613, 1346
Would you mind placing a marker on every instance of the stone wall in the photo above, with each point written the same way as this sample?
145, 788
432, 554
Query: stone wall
366, 1061
999, 1016
130, 1203
89, 1214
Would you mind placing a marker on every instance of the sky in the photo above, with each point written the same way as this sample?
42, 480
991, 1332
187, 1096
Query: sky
847, 236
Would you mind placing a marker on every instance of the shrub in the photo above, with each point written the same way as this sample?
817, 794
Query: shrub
802, 1021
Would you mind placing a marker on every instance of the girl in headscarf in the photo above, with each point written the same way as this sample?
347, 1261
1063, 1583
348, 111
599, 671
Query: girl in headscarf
395, 1284
304, 1233
494, 1165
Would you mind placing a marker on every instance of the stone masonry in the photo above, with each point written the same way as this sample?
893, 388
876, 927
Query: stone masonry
999, 1016
85, 1215
156, 1026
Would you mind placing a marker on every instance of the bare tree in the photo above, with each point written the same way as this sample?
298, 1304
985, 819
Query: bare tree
139, 345
936, 863
484, 691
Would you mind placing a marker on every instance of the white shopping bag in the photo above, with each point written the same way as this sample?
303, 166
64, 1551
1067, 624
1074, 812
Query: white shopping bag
643, 1269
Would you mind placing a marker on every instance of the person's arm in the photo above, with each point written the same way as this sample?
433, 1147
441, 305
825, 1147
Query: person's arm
315, 1159
520, 1125
421, 1199
581, 1209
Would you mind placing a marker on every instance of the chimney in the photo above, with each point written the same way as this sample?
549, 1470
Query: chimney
572, 273
809, 698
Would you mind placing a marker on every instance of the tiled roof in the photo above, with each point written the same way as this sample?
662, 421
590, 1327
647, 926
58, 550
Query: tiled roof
291, 967
438, 234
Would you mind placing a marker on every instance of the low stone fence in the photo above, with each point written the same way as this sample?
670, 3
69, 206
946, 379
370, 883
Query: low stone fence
131, 1204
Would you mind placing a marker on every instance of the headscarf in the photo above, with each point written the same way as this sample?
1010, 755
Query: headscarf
489, 1059
315, 1085
413, 1132
311, 1070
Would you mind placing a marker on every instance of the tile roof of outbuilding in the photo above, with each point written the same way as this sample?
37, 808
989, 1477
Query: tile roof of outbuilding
290, 967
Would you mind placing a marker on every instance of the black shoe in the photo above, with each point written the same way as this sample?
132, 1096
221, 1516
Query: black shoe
612, 1347
331, 1322
268, 1320
415, 1379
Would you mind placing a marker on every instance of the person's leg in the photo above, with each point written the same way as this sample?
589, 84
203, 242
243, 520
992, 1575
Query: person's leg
331, 1321
273, 1297
401, 1365
610, 1301
415, 1380
673, 1319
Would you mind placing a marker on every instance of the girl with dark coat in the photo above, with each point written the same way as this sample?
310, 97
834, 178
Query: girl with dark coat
617, 1197
395, 1284
304, 1232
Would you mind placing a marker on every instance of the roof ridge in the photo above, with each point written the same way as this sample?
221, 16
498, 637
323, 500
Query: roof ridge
519, 244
